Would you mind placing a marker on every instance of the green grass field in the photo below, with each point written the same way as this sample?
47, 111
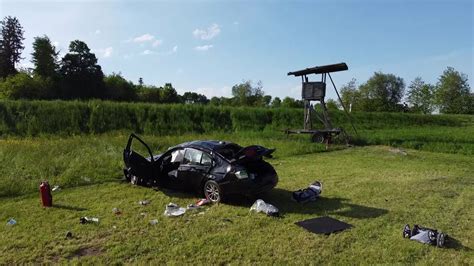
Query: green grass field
373, 188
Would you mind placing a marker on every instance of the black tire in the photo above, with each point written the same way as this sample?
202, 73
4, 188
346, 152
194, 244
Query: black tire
406, 231
126, 174
134, 180
415, 230
212, 191
317, 137
440, 240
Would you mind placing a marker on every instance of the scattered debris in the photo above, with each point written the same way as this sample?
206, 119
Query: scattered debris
323, 225
85, 178
86, 220
425, 235
144, 202
203, 202
114, 227
173, 209
143, 214
398, 151
116, 211
191, 207
153, 222
308, 194
261, 206
68, 235
11, 221
56, 188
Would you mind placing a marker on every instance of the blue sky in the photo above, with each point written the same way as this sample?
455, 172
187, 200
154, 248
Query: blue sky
208, 46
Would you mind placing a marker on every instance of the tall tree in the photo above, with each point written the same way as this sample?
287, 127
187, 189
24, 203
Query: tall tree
117, 88
245, 94
168, 94
276, 102
382, 93
44, 57
350, 96
11, 45
453, 93
193, 97
82, 77
420, 96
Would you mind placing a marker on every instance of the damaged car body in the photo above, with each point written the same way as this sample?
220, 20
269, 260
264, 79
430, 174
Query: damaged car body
212, 168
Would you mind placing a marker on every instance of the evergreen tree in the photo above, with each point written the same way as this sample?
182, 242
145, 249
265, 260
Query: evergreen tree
11, 45
44, 57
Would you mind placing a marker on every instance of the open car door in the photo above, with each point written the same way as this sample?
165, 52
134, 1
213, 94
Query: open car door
138, 168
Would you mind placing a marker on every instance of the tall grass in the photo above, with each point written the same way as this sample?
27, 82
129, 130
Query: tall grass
31, 118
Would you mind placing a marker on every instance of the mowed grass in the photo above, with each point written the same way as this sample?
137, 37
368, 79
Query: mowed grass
374, 188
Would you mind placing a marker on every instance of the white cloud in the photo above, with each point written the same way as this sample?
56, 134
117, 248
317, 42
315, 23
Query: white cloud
236, 23
147, 52
207, 34
175, 49
157, 43
144, 38
203, 47
210, 92
97, 32
108, 51
56, 44
104, 53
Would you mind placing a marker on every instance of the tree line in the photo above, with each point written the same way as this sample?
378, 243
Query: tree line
386, 93
77, 75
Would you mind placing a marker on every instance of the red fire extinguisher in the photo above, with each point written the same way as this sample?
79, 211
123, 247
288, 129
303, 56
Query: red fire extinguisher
45, 192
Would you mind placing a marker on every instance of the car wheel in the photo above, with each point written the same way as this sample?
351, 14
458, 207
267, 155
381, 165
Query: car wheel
212, 191
317, 137
126, 174
415, 230
406, 231
441, 237
134, 180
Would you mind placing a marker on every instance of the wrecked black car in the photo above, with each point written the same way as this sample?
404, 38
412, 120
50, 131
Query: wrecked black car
212, 168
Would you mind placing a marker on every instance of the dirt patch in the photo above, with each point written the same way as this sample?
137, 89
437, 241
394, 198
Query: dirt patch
86, 251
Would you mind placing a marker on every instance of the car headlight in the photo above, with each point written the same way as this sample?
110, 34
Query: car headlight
242, 174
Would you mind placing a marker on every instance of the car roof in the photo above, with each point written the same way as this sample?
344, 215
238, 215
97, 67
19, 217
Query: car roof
206, 144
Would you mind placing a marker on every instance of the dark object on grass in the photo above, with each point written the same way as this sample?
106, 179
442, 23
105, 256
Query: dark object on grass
323, 225
213, 168
68, 235
425, 235
308, 194
86, 220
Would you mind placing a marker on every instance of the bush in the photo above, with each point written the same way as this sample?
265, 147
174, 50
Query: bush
23, 86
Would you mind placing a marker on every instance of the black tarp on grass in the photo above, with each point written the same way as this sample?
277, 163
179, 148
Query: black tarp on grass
323, 225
